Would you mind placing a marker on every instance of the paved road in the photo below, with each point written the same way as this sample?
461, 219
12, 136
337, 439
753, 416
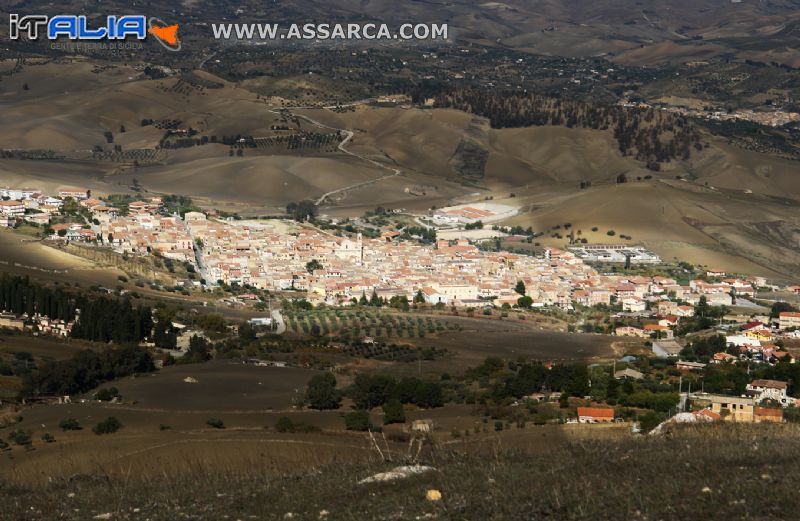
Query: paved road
280, 325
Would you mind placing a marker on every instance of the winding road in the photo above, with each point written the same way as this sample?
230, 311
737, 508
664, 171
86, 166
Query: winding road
341, 147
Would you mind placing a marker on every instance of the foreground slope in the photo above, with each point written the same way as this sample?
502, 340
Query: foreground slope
708, 472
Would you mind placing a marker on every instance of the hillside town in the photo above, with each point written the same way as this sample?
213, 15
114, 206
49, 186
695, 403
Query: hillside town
336, 269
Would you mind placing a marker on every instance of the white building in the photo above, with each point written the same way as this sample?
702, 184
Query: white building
12, 208
770, 390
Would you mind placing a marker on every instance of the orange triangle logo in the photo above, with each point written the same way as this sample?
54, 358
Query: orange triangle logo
168, 34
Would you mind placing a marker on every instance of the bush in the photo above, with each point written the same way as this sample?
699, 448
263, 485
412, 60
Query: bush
20, 437
393, 412
216, 423
358, 421
284, 424
322, 392
108, 426
70, 424
106, 395
649, 421
48, 438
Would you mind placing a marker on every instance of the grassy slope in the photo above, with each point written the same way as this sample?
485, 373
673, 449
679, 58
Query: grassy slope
711, 472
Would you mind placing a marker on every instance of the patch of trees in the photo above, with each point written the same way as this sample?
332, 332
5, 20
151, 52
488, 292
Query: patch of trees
649, 135
426, 235
302, 211
704, 348
105, 320
370, 391
19, 295
86, 370
525, 379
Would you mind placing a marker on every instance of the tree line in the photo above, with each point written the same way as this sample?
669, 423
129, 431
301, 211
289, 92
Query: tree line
648, 135
85, 371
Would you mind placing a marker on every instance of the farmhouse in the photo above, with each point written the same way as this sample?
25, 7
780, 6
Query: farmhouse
595, 415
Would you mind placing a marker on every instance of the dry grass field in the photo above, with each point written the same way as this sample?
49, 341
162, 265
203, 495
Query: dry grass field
555, 473
23, 255
745, 233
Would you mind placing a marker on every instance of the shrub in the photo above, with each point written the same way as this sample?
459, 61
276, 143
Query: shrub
358, 421
48, 438
393, 412
70, 424
20, 437
284, 424
106, 395
216, 423
322, 392
649, 421
108, 426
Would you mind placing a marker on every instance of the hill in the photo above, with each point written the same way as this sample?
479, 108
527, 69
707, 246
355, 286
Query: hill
708, 472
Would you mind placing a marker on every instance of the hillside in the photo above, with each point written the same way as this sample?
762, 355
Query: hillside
710, 472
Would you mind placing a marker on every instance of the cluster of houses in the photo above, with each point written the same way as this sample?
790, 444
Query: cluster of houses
31, 205
763, 401
36, 323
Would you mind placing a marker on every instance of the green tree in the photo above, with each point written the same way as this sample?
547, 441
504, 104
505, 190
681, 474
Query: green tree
312, 265
322, 393
393, 412
520, 287
284, 424
525, 302
108, 426
357, 421
70, 424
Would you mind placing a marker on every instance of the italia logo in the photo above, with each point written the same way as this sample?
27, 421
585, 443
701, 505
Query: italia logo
78, 28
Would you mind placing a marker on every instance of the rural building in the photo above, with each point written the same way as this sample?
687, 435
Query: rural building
788, 320
733, 408
12, 209
768, 415
666, 348
76, 193
628, 373
595, 415
770, 390
685, 365
12, 322
631, 331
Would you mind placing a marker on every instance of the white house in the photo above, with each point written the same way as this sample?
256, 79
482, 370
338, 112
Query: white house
770, 390
12, 208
